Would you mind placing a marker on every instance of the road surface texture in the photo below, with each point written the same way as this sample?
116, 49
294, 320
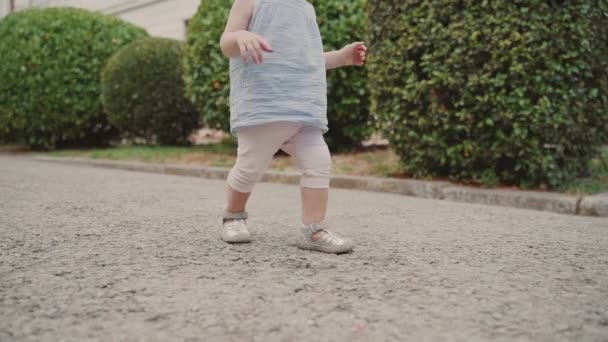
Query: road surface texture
107, 255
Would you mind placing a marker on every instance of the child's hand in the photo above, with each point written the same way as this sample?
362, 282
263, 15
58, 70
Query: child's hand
254, 45
354, 54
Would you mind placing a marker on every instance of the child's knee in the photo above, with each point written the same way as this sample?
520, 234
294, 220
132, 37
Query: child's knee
316, 172
244, 179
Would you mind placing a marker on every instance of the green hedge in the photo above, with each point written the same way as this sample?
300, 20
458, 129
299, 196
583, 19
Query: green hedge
142, 91
51, 61
206, 69
500, 91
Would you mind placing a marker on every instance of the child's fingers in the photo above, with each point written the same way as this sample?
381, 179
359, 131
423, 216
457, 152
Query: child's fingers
265, 45
252, 53
359, 46
361, 58
258, 51
243, 49
359, 49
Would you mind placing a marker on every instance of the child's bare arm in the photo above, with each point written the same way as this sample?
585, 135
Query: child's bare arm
236, 40
351, 54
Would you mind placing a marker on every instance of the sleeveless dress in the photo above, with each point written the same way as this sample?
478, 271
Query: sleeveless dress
290, 84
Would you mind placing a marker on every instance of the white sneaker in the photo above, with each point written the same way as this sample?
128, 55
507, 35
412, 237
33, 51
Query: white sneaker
234, 228
328, 242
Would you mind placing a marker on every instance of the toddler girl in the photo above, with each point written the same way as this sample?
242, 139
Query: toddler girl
278, 101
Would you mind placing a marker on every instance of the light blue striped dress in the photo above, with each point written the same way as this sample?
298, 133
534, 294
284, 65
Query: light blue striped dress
290, 84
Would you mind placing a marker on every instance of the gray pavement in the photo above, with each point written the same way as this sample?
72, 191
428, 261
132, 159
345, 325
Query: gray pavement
108, 255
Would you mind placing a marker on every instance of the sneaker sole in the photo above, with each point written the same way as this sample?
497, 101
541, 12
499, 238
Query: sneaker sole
322, 249
237, 242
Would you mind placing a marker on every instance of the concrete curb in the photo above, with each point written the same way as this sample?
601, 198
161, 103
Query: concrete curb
595, 205
544, 201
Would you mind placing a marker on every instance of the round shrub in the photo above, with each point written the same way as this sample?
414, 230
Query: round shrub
491, 91
207, 80
51, 61
142, 91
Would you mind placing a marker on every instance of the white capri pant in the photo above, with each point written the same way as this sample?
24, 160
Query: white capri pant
258, 144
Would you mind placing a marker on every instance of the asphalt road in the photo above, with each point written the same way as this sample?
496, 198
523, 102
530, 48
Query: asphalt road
108, 255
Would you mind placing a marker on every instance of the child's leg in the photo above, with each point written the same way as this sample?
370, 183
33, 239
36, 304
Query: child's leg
312, 155
311, 152
237, 201
257, 146
314, 205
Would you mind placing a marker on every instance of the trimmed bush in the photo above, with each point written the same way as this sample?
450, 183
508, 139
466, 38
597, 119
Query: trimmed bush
51, 61
491, 91
142, 91
207, 80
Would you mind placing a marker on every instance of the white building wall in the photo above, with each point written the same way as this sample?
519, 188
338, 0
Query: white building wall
4, 8
161, 18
